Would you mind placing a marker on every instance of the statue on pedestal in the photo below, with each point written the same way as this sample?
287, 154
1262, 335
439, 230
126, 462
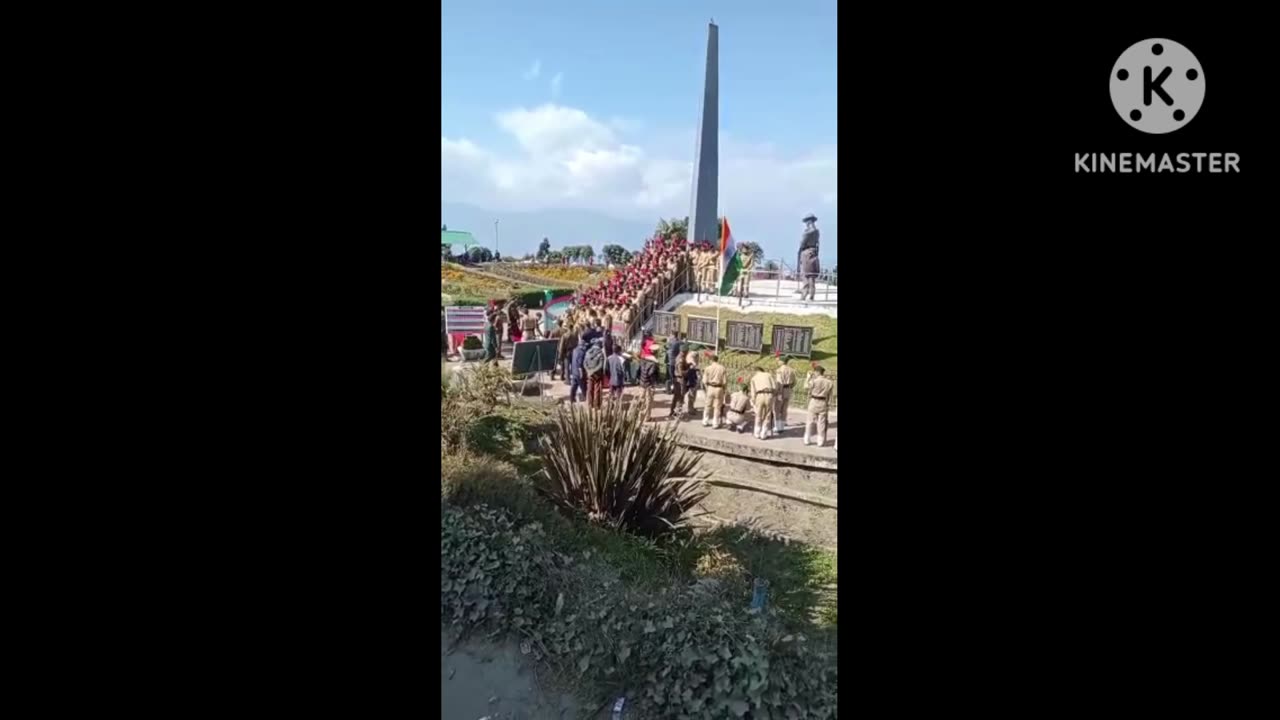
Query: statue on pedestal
808, 241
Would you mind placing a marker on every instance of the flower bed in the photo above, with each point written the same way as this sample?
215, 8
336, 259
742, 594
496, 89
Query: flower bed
568, 274
461, 283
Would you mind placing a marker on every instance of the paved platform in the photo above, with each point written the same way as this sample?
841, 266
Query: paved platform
787, 448
789, 305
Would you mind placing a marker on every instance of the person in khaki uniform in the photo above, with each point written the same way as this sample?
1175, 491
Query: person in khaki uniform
738, 408
762, 397
528, 326
744, 279
713, 378
695, 262
820, 389
648, 382
785, 379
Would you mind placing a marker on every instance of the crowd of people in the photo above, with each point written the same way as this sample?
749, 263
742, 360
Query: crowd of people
630, 294
760, 399
514, 322
592, 361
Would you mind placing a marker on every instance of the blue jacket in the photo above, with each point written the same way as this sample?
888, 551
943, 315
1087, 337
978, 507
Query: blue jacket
575, 361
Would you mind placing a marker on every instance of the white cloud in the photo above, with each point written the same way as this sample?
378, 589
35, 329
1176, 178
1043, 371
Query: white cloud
555, 84
568, 159
534, 70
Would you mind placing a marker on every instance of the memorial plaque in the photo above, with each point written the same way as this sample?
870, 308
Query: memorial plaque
746, 336
792, 340
665, 324
703, 331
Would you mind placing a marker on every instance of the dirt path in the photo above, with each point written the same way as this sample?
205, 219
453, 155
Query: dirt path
806, 522
481, 679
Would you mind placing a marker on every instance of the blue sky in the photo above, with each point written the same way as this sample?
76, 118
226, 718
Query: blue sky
593, 105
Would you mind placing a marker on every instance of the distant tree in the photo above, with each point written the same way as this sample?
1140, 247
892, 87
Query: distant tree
480, 254
497, 257
616, 254
771, 266
752, 249
587, 252
544, 247
445, 251
555, 257
444, 228
673, 229
834, 274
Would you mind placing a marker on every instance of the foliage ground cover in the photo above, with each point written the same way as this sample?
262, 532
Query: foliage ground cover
684, 652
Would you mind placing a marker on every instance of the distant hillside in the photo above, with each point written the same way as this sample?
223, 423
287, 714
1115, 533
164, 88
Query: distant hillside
520, 232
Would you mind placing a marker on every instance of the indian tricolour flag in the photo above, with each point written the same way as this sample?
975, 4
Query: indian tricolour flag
730, 260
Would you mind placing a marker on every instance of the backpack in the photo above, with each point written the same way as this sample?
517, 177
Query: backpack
594, 361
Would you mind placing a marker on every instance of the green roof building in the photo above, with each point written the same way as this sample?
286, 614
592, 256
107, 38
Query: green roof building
457, 237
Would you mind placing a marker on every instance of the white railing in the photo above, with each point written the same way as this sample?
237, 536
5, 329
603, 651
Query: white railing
784, 282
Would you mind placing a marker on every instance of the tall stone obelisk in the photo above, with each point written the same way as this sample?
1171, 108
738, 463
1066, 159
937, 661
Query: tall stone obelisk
703, 220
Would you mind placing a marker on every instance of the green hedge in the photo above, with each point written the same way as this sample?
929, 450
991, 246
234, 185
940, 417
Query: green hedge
462, 301
535, 298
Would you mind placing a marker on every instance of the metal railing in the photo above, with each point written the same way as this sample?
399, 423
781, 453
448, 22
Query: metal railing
825, 282
783, 282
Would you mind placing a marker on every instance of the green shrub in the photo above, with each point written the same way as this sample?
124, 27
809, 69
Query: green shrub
462, 300
619, 471
455, 422
471, 342
468, 478
482, 386
467, 397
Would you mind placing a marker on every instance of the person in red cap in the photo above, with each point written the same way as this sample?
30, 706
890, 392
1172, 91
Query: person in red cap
648, 374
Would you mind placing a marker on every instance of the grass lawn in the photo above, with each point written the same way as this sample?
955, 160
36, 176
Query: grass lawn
824, 342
